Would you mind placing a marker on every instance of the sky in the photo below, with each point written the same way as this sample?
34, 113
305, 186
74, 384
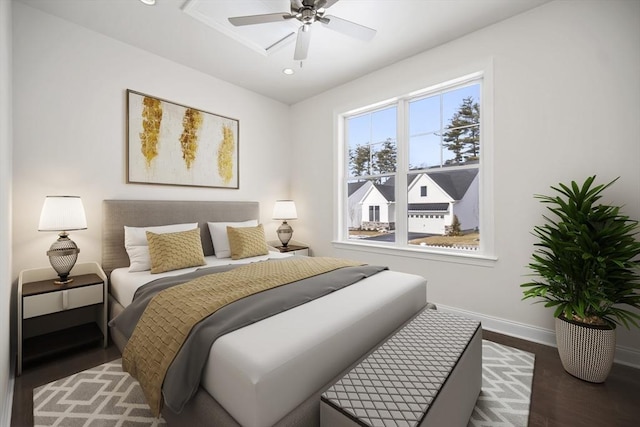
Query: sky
427, 117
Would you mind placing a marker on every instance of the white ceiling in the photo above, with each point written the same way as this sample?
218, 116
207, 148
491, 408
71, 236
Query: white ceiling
404, 28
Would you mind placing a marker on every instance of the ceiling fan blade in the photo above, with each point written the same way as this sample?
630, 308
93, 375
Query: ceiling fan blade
302, 43
295, 6
326, 4
259, 19
349, 28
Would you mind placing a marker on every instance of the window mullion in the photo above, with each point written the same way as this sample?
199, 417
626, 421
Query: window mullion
402, 166
441, 131
343, 220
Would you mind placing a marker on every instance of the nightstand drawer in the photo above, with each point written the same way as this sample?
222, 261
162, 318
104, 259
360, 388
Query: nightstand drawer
300, 252
293, 250
64, 299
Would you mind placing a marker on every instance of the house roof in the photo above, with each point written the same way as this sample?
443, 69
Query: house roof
455, 182
440, 207
352, 187
388, 191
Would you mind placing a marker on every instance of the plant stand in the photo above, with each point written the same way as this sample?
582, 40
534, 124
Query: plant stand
586, 351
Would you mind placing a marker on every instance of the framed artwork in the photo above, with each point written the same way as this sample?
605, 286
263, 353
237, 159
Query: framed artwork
172, 144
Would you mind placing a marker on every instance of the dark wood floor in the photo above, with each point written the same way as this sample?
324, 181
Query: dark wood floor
558, 399
63, 366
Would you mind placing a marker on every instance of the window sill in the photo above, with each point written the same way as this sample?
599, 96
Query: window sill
443, 255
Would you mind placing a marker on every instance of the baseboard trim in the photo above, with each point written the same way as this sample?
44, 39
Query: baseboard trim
624, 355
7, 406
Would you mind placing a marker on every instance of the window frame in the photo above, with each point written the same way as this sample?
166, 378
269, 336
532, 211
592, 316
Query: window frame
485, 255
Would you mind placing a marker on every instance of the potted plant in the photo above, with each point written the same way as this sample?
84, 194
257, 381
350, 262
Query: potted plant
585, 266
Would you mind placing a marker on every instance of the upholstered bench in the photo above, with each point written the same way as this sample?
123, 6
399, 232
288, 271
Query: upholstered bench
429, 373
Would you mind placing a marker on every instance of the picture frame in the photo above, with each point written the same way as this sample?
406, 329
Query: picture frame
173, 144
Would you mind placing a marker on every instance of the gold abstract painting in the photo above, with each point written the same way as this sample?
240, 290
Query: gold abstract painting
172, 144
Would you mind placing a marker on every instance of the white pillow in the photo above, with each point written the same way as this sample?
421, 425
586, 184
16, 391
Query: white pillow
135, 242
219, 236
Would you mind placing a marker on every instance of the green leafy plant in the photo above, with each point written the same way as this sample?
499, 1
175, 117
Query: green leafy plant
585, 258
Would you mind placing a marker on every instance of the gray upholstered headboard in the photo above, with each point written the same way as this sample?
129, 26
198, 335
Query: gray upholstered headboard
141, 213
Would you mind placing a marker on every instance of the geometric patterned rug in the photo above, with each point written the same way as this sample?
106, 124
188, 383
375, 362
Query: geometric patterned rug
507, 374
98, 397
105, 396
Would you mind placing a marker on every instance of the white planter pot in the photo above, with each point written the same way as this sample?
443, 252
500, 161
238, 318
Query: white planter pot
586, 351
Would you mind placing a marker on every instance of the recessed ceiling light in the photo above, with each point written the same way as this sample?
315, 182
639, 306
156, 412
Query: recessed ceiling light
149, 2
288, 71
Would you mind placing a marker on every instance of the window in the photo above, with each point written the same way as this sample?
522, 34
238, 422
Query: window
413, 167
372, 160
374, 213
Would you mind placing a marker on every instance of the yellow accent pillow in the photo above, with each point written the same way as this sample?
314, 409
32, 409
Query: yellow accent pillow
173, 251
246, 242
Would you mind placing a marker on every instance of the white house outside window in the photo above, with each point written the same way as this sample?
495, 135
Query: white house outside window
418, 161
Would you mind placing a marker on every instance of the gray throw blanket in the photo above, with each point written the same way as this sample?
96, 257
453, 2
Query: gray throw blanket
183, 376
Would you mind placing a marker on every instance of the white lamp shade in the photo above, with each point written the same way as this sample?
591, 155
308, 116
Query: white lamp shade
62, 213
285, 209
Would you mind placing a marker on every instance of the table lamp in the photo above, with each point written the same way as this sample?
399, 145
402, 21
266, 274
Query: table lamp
284, 210
62, 213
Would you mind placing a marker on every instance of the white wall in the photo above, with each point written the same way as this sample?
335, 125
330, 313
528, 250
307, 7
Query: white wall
565, 106
70, 121
467, 209
6, 382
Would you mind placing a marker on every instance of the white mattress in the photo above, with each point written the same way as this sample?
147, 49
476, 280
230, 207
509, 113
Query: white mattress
261, 372
124, 284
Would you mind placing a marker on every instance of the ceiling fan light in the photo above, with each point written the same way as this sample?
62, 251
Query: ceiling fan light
288, 71
149, 2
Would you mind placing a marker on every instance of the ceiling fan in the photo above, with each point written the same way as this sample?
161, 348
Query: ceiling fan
308, 12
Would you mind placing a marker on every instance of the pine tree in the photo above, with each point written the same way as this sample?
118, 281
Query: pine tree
360, 160
463, 132
363, 162
385, 158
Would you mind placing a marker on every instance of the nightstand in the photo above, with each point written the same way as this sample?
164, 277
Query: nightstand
57, 318
294, 250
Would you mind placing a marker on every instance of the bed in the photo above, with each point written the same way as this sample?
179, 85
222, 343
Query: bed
271, 372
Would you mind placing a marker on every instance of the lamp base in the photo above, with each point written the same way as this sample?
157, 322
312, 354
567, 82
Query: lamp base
63, 255
284, 233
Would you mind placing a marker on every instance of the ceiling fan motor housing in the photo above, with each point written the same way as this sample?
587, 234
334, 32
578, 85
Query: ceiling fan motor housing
307, 15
